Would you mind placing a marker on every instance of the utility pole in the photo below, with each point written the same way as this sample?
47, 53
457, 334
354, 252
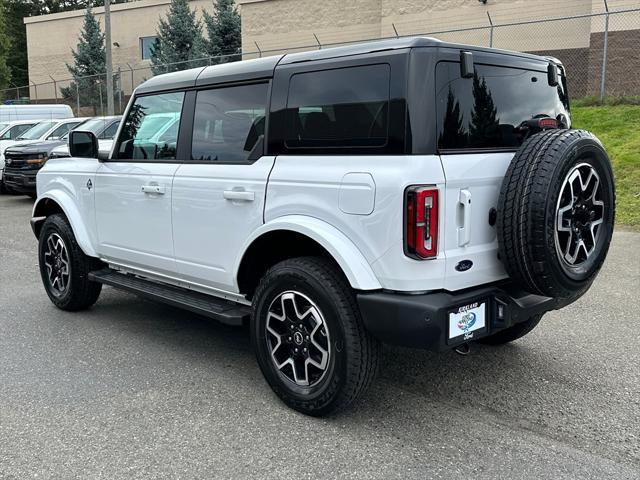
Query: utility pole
107, 35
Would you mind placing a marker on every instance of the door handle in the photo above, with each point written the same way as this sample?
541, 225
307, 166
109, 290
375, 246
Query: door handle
154, 188
242, 195
464, 232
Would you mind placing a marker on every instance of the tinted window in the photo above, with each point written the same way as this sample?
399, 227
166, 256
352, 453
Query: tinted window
486, 111
228, 123
150, 131
346, 107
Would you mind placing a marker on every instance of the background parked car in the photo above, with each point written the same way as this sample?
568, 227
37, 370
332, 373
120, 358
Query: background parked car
104, 128
44, 130
12, 130
23, 161
9, 113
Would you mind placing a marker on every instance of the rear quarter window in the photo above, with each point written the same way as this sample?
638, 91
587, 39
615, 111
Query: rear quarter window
486, 111
339, 108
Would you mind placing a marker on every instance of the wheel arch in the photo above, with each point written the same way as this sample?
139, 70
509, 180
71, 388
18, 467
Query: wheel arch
58, 202
295, 236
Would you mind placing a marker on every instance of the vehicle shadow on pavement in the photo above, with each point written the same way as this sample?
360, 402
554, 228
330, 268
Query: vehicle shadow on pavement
488, 372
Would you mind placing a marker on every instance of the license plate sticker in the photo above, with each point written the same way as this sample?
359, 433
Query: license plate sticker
467, 319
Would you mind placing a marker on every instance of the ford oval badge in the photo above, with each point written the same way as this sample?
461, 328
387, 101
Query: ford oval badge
464, 265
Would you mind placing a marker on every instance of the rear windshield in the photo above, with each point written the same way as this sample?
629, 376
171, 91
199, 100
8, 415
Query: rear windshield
486, 111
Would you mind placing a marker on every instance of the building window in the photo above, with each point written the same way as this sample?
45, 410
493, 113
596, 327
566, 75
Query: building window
145, 47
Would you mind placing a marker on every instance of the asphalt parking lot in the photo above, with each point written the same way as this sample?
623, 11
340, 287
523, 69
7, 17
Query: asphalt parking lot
132, 389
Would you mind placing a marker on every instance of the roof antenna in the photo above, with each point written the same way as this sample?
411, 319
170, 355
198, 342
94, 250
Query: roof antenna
395, 30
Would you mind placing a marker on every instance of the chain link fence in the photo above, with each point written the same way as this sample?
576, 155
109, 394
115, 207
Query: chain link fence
599, 51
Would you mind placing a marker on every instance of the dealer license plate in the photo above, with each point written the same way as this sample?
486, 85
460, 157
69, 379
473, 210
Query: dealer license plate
465, 321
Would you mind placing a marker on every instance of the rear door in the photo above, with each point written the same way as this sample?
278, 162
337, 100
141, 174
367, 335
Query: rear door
133, 189
478, 133
218, 194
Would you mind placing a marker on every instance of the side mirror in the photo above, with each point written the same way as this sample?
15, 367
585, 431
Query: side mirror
83, 144
552, 74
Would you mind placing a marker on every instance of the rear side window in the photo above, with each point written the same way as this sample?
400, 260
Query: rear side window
341, 108
486, 111
150, 131
228, 123
63, 129
15, 131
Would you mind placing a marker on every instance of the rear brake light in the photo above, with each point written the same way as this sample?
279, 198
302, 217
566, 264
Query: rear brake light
545, 123
421, 222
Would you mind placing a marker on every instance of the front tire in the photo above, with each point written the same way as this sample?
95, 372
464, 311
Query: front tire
65, 268
309, 338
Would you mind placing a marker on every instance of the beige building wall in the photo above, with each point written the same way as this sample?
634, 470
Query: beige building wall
50, 39
274, 26
286, 24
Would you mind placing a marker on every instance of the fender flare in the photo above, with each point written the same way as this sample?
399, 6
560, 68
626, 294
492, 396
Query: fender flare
68, 207
350, 259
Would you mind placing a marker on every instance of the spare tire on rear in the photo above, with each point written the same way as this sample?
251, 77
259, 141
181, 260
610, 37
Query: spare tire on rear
556, 213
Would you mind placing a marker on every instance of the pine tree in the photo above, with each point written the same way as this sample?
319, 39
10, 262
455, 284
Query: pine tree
89, 65
5, 47
179, 40
223, 31
485, 126
453, 134
16, 10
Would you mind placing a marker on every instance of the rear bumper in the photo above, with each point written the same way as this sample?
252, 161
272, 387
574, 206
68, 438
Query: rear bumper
20, 182
422, 321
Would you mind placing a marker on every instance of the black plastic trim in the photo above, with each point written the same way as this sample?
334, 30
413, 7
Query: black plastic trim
421, 321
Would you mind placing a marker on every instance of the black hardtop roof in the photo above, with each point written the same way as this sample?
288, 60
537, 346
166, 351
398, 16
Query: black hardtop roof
264, 67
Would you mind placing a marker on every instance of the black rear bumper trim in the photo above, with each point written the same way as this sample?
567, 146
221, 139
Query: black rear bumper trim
421, 321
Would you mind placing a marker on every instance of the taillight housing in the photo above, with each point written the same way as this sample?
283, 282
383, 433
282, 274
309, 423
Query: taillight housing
421, 222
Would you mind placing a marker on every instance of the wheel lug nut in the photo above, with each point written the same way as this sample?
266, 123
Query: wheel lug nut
289, 338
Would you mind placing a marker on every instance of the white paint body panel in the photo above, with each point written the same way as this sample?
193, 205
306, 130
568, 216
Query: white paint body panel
479, 178
134, 227
310, 186
209, 230
64, 181
196, 233
355, 267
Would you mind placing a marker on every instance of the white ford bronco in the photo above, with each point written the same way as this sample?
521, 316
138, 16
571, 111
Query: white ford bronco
409, 191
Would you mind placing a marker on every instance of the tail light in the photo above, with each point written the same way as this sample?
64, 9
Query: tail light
421, 222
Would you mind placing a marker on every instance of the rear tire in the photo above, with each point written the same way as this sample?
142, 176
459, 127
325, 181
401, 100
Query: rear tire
309, 338
65, 268
510, 334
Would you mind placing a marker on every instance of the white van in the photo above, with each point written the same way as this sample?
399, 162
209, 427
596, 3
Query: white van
10, 113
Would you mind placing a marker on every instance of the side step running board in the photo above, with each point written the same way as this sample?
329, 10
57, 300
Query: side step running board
224, 311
